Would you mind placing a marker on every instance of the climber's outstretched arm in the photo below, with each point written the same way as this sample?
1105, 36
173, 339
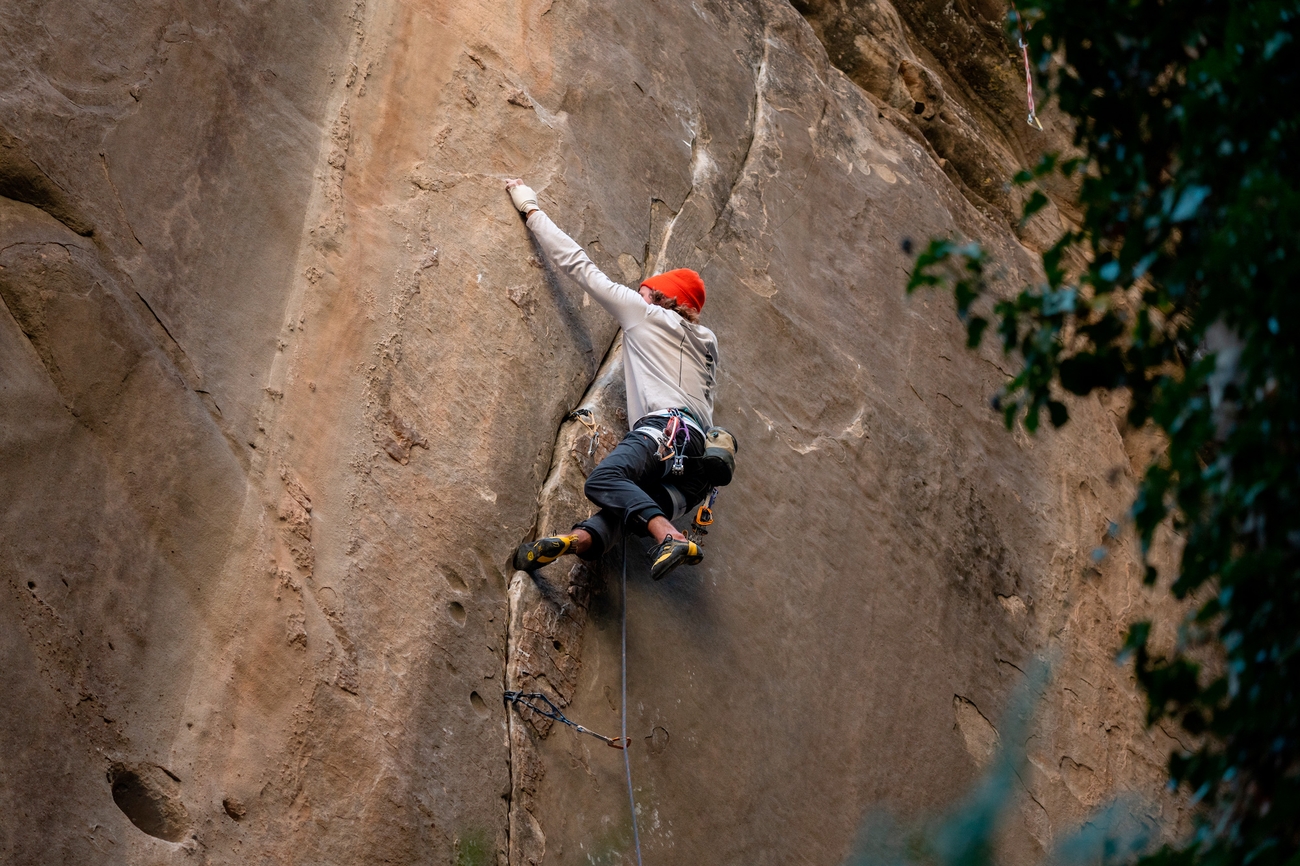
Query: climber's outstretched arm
625, 305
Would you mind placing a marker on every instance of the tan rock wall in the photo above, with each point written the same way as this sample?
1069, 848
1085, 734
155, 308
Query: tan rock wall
282, 383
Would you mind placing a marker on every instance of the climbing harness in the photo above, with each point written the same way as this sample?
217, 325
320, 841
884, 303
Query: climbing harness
589, 421
667, 447
1029, 81
551, 711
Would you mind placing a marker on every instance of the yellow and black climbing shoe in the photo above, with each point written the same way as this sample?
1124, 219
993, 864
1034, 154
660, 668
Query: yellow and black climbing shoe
532, 555
672, 553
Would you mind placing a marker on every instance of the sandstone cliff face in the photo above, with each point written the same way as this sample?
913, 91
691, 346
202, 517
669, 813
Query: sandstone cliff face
284, 382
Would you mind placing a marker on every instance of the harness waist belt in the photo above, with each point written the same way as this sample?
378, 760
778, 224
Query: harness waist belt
686, 417
656, 434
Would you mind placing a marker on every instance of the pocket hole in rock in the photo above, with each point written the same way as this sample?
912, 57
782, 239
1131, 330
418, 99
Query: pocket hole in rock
147, 795
476, 701
457, 611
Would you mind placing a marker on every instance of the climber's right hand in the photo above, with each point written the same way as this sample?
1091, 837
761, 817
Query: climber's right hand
522, 195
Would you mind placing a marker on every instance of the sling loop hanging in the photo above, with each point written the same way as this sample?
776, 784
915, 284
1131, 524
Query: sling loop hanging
589, 421
1029, 80
551, 711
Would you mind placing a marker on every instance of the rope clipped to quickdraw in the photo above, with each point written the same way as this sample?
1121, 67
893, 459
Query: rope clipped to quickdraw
589, 421
551, 711
1029, 80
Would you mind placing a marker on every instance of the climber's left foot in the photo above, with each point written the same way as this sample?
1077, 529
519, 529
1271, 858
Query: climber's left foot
672, 553
532, 555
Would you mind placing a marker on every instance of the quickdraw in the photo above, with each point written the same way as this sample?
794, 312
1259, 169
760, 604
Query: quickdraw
1029, 81
551, 711
589, 421
703, 517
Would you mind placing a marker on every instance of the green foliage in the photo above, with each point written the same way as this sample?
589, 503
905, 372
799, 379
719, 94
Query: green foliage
1185, 296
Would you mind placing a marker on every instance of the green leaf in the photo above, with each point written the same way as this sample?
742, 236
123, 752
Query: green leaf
1136, 638
1082, 373
1036, 202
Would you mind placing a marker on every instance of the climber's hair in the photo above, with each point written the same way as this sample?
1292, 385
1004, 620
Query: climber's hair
659, 299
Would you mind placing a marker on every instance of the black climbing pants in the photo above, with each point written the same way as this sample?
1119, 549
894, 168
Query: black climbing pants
632, 483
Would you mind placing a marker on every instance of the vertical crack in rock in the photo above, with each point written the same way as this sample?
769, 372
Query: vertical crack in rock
548, 609
702, 168
757, 112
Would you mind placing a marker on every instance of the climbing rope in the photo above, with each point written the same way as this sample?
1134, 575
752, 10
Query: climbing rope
627, 761
551, 711
1029, 81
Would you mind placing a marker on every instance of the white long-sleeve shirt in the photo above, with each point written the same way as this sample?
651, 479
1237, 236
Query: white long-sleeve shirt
668, 362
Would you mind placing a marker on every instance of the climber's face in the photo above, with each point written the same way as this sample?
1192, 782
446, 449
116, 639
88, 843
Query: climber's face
646, 294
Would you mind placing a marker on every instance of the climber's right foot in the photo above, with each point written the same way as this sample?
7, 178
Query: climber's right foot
532, 555
672, 553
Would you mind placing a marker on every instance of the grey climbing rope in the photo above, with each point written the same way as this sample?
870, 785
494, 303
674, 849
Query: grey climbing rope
627, 761
551, 711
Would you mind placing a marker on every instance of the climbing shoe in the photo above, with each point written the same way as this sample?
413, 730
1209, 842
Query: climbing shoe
532, 555
672, 553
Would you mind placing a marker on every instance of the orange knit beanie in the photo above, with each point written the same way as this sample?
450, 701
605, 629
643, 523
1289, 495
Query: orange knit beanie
682, 284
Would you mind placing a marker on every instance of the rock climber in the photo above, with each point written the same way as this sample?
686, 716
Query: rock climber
670, 364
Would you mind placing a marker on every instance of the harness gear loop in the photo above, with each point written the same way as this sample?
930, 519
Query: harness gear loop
667, 441
551, 711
